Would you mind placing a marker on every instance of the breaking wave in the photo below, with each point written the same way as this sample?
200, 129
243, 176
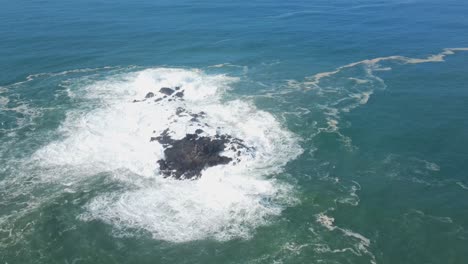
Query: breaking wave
111, 133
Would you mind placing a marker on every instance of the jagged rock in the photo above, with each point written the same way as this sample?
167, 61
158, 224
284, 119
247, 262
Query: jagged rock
166, 91
180, 94
186, 158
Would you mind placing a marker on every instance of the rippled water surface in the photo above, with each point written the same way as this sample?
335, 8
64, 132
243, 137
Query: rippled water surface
353, 114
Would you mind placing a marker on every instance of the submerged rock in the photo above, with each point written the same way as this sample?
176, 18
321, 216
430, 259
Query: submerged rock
180, 94
186, 158
149, 95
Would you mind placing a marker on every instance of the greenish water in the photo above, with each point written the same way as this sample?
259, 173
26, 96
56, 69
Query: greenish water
356, 112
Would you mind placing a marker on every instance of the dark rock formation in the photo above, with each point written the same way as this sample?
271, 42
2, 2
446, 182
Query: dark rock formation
186, 158
195, 117
179, 111
166, 91
172, 94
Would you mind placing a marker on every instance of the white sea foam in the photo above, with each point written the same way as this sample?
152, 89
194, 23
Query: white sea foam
358, 81
413, 169
326, 221
53, 74
351, 197
421, 214
349, 86
292, 14
324, 248
314, 80
3, 102
26, 114
362, 243
221, 65
114, 136
463, 186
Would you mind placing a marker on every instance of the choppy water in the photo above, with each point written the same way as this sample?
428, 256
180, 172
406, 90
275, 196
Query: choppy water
356, 110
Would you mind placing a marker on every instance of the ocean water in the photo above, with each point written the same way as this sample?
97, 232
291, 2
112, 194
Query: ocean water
357, 112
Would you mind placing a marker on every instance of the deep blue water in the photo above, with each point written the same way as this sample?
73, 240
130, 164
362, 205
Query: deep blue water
366, 164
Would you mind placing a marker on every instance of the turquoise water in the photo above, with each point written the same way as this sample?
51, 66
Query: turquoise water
357, 111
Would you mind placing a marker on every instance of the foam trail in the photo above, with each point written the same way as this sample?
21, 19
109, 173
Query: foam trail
292, 14
314, 80
350, 86
54, 74
463, 186
363, 243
